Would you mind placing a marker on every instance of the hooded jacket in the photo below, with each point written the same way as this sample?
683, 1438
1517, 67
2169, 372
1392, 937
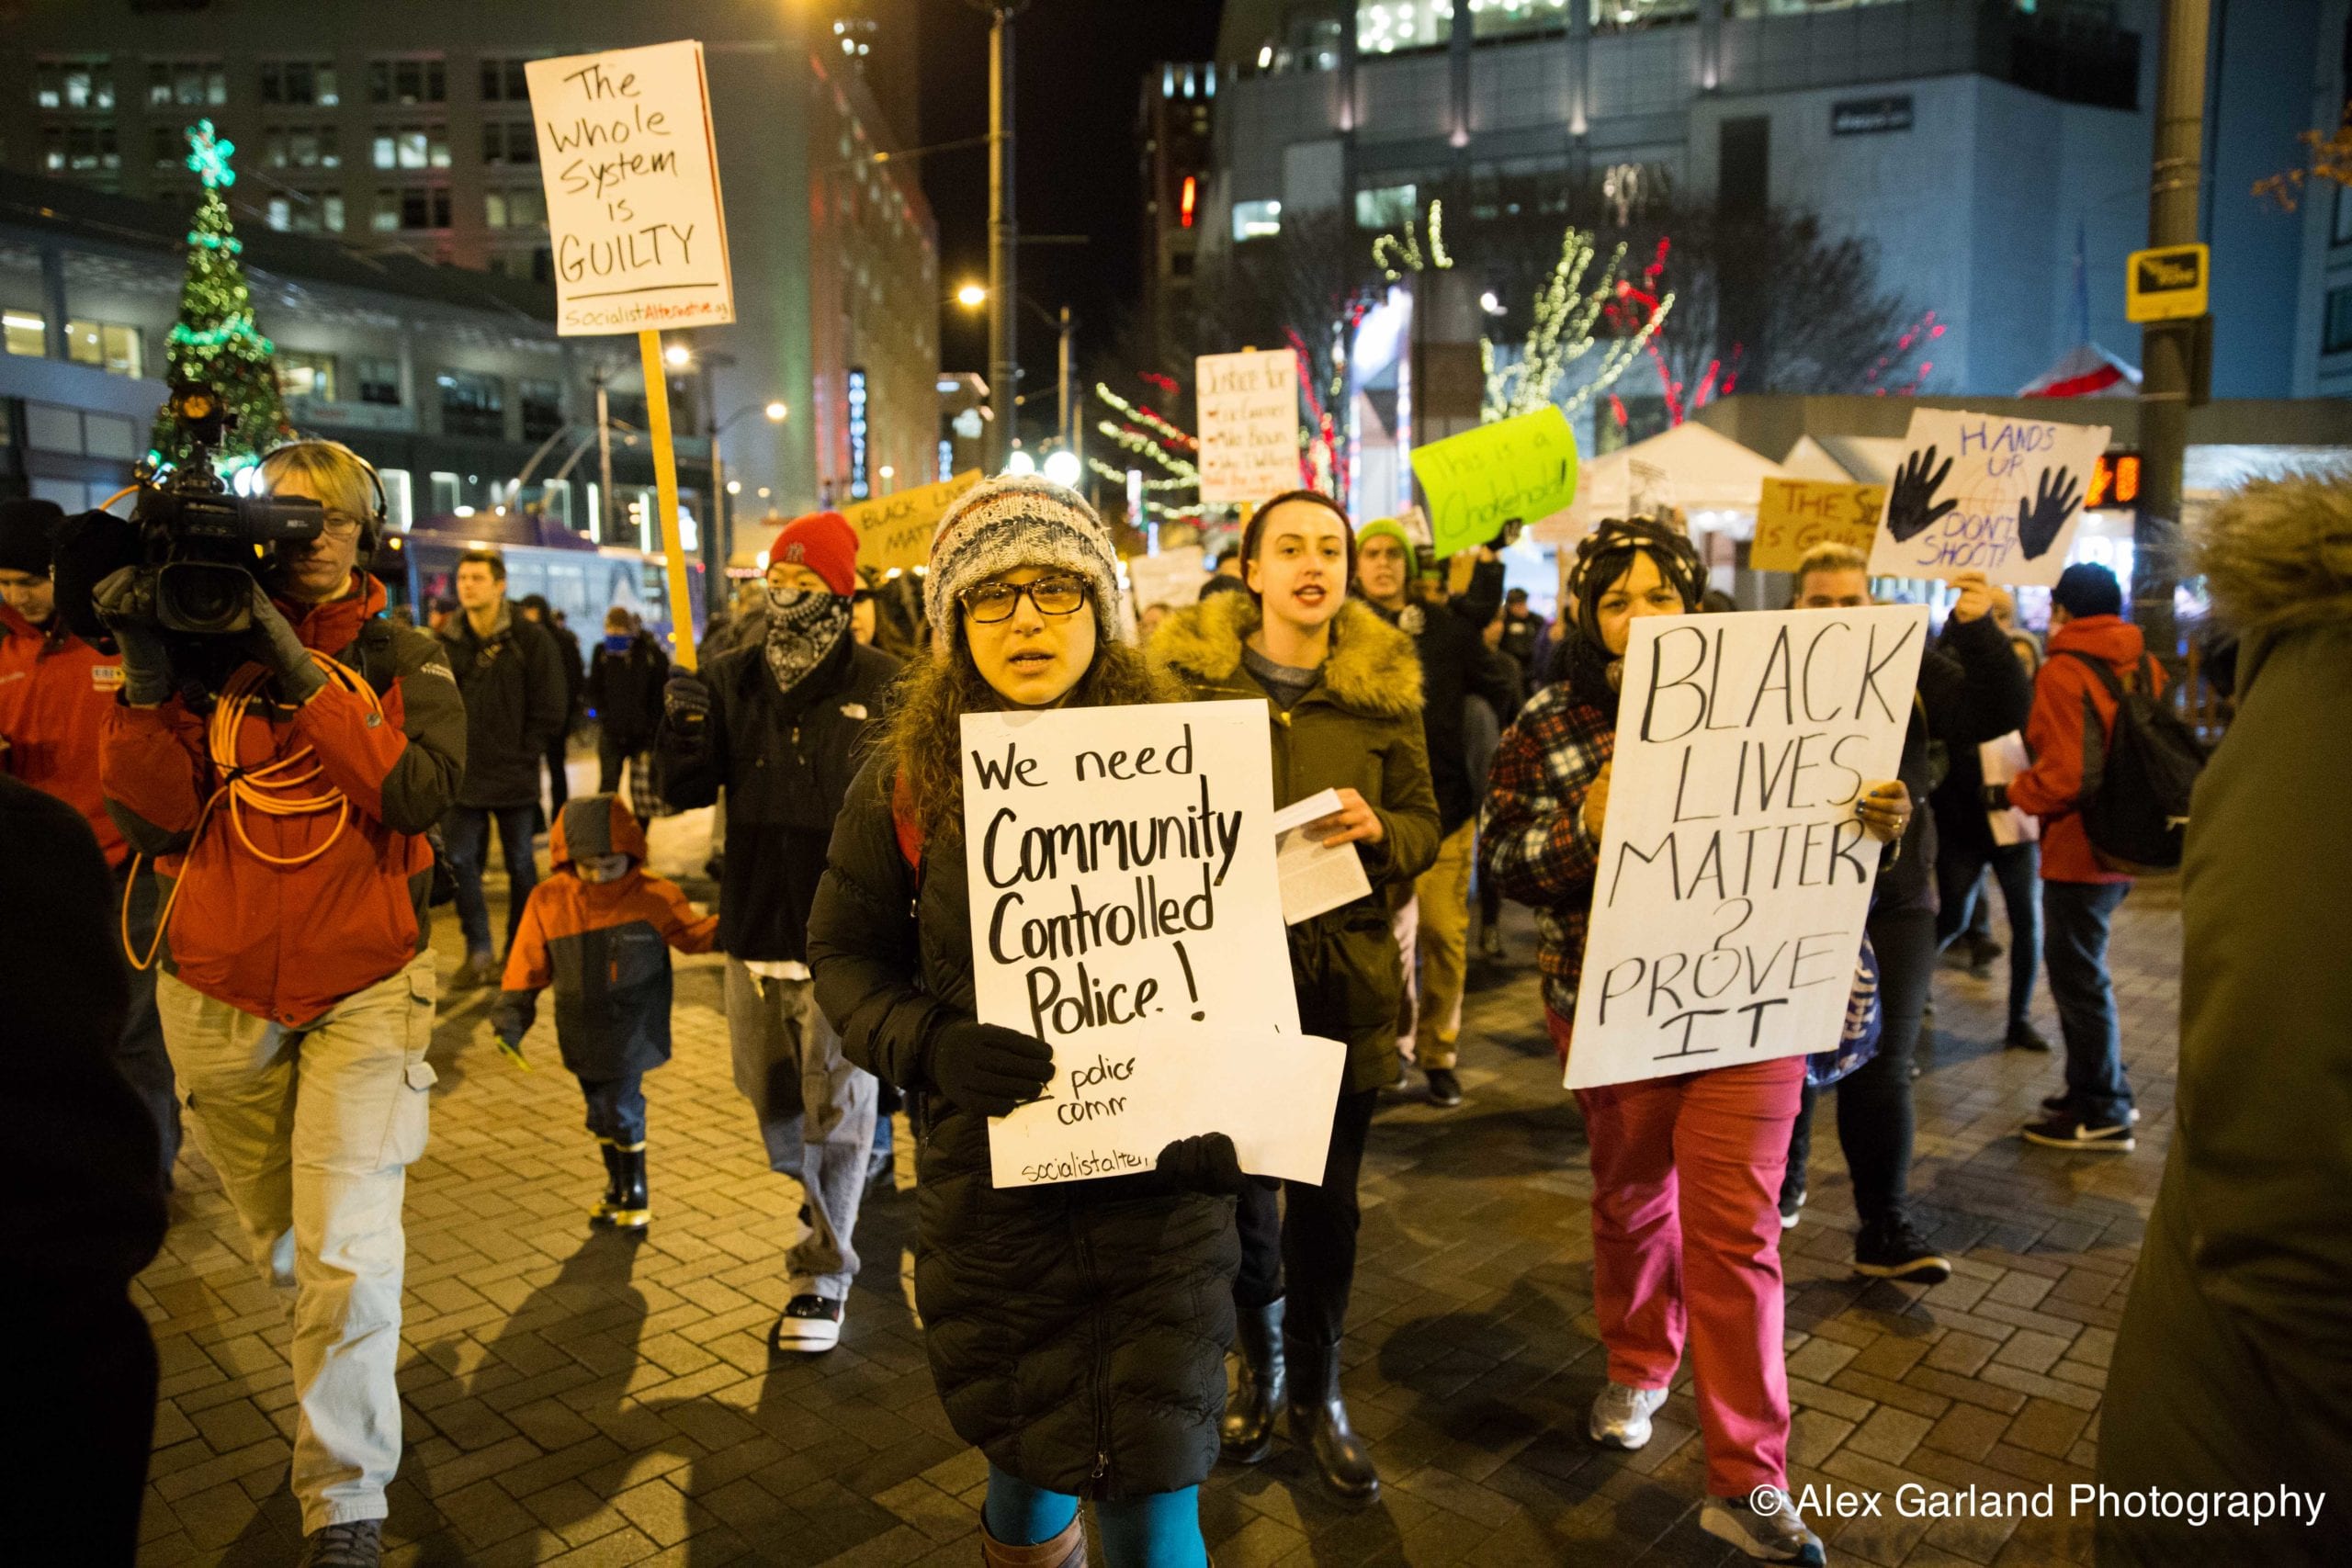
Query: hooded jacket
1456, 665
285, 942
1359, 728
2070, 707
2232, 1367
624, 689
55, 691
516, 703
603, 946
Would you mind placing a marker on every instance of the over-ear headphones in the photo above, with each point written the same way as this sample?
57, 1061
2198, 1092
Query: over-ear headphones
371, 528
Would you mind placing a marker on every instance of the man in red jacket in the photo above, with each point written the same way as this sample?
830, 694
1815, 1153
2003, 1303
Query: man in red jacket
2079, 896
55, 692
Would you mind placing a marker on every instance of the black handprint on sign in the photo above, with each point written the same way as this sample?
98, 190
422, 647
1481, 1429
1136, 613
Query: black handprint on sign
2055, 501
1913, 509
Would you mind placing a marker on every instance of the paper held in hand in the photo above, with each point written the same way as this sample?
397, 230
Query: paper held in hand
1113, 1107
631, 175
1314, 877
1733, 876
2003, 760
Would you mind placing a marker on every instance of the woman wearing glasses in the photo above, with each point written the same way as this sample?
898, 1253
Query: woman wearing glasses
1344, 694
1076, 1331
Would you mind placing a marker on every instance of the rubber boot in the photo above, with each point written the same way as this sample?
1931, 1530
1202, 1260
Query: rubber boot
629, 1209
1318, 1420
602, 1214
1066, 1549
1247, 1434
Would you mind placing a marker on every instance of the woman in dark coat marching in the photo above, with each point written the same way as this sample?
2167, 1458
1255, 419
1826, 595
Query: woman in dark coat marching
1077, 1331
1342, 690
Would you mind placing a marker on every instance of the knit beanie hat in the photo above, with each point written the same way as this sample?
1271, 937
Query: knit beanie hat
28, 533
825, 544
2086, 588
1017, 520
1386, 527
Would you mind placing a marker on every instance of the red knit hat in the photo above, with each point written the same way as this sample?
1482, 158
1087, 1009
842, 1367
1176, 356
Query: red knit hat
825, 544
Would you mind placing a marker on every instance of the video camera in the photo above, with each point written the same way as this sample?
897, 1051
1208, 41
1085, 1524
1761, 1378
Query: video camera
196, 544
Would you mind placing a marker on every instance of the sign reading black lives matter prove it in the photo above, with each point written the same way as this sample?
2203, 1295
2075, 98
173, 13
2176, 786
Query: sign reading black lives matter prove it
1734, 875
1126, 911
632, 184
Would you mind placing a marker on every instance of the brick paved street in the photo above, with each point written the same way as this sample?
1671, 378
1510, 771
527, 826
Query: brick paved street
589, 1399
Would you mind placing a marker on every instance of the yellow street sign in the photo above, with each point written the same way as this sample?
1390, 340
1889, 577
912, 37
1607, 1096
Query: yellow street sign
2166, 285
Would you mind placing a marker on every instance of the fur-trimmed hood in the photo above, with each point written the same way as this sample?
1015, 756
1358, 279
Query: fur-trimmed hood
1372, 669
2277, 554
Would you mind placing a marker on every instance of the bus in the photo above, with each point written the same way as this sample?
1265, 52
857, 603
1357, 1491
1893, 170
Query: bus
583, 580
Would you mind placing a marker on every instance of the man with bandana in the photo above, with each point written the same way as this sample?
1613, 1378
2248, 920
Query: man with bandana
779, 722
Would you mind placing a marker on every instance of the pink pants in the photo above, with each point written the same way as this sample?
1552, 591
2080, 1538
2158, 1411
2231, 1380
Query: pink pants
1686, 1234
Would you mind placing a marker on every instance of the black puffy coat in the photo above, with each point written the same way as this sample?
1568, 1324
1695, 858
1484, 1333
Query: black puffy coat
624, 689
1076, 1331
516, 703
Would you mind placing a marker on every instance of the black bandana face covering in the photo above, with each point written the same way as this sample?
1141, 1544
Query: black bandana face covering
803, 625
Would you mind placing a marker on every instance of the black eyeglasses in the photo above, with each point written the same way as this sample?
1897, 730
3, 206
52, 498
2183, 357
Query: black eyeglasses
994, 601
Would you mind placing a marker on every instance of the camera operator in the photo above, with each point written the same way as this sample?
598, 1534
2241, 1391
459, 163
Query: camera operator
297, 996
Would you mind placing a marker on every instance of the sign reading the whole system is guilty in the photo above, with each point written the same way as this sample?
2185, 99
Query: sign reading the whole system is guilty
1734, 875
632, 186
1126, 910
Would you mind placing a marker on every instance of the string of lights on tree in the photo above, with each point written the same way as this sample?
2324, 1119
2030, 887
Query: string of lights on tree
1141, 433
215, 342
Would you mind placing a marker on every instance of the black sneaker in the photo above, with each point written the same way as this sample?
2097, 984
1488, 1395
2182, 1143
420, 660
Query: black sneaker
2067, 1132
1899, 1252
2056, 1106
1445, 1089
810, 1324
2024, 1036
359, 1544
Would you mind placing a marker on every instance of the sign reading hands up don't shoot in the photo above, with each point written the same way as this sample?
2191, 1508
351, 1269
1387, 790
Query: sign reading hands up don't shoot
1983, 493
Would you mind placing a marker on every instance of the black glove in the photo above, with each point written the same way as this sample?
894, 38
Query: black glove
686, 702
272, 644
1206, 1162
1996, 797
126, 603
986, 1070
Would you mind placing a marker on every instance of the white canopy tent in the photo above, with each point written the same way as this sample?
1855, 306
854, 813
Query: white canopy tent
1809, 459
1712, 480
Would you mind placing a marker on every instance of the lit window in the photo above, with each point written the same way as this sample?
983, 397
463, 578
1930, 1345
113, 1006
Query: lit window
303, 375
1256, 220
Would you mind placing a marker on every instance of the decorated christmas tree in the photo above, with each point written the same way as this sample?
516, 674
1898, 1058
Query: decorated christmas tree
215, 342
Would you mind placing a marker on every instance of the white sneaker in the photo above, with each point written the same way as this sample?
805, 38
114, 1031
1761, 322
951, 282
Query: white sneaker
1780, 1536
1621, 1415
810, 1324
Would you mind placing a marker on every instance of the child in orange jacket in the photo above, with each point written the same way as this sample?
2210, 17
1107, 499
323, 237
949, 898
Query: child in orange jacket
600, 928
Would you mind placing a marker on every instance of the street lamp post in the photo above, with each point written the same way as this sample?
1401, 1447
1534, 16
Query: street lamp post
1003, 235
971, 297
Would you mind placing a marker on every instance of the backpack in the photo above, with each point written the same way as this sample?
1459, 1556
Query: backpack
1858, 1039
2137, 778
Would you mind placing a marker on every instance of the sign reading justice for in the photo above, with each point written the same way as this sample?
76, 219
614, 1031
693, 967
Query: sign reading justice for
1126, 910
1733, 876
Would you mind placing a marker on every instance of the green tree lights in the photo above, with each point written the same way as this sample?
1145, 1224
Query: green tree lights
215, 342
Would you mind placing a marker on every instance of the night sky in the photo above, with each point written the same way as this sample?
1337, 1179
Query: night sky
1078, 74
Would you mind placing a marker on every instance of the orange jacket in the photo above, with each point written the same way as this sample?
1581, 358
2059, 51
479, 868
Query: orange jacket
2069, 706
602, 945
285, 942
55, 692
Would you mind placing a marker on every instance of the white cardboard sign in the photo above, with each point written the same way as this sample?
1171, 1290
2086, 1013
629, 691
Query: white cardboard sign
1173, 580
1249, 405
1983, 493
1733, 876
631, 175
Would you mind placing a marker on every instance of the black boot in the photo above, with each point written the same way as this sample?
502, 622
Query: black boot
628, 1209
602, 1214
1319, 1420
1247, 1435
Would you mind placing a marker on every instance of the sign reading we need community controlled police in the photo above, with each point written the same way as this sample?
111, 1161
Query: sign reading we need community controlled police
1733, 876
1985, 493
1126, 910
631, 177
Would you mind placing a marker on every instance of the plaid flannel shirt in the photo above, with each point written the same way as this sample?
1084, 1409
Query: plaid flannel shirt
1531, 831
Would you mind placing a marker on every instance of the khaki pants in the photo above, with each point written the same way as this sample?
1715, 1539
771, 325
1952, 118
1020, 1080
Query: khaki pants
1441, 946
312, 1131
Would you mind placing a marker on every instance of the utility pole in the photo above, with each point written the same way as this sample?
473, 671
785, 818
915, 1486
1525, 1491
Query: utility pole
1004, 305
1062, 424
604, 458
2167, 348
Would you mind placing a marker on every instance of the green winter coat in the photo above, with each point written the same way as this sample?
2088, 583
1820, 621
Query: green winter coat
2232, 1370
1361, 729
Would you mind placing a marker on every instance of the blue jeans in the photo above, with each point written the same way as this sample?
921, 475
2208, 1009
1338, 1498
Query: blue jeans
1159, 1531
616, 1108
466, 832
2075, 946
2017, 868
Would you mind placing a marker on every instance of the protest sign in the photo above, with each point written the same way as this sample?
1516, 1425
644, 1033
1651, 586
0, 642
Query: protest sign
1981, 492
1173, 579
1734, 878
895, 530
1249, 405
1476, 481
2003, 759
1793, 515
632, 187
1114, 1106
1123, 870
